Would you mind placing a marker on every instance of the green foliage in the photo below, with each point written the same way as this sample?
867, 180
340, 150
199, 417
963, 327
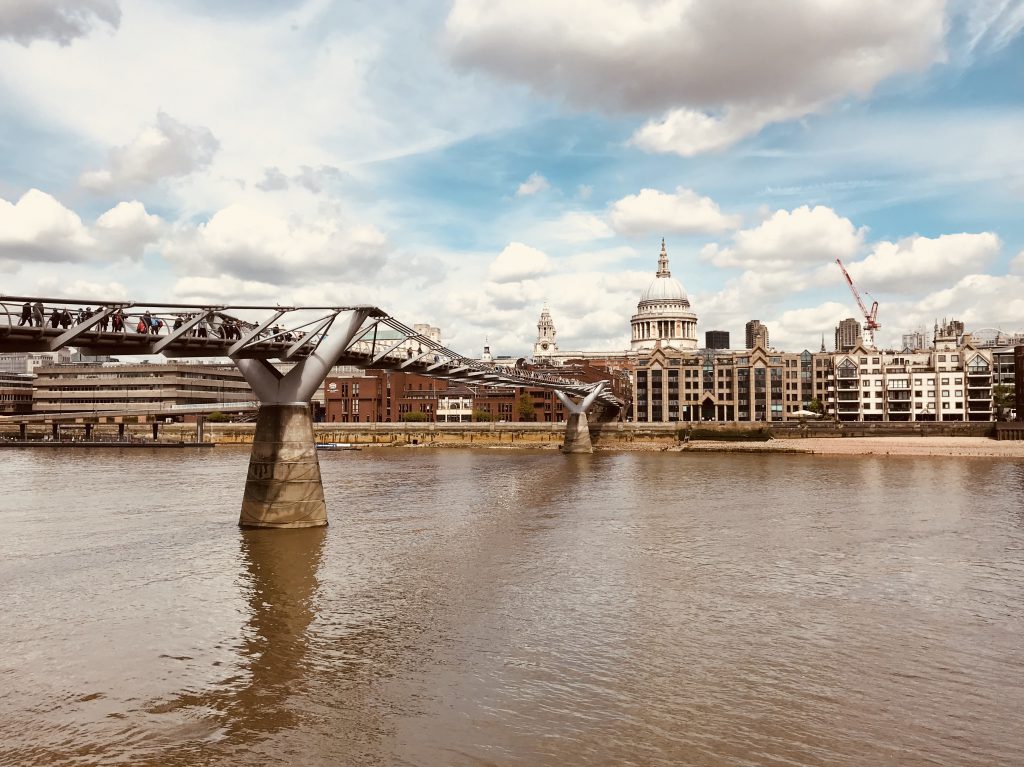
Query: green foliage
414, 416
1003, 398
482, 416
524, 406
815, 406
218, 417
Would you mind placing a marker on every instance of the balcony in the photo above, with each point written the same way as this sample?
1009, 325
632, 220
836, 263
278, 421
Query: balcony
899, 396
849, 396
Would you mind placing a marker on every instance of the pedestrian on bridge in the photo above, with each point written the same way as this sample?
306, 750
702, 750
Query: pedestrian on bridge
117, 319
26, 315
37, 314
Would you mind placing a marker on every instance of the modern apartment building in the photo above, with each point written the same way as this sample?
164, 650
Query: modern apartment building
712, 385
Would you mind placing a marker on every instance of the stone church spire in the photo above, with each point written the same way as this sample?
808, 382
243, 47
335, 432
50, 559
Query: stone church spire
663, 261
545, 345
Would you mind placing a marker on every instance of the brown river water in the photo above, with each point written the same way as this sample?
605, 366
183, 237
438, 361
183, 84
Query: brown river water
514, 608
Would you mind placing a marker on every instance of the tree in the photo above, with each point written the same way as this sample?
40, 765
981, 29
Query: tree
482, 415
815, 406
524, 407
217, 417
1003, 399
414, 416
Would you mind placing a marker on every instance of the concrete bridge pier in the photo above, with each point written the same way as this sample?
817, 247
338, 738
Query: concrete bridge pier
283, 487
577, 429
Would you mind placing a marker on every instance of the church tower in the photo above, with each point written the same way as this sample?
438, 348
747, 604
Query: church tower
545, 346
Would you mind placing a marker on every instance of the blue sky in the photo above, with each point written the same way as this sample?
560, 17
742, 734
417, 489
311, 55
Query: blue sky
460, 163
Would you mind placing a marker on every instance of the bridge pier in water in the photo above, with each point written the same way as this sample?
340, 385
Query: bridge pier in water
283, 487
577, 428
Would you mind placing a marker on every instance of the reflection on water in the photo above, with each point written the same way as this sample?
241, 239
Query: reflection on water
504, 608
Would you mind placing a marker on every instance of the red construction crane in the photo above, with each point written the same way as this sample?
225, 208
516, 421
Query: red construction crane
871, 323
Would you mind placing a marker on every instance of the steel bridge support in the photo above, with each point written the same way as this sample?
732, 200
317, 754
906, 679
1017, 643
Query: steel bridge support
577, 430
283, 487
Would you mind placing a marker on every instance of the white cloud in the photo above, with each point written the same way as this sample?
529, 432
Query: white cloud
57, 286
1017, 265
798, 329
39, 228
920, 262
721, 70
788, 239
60, 21
654, 212
576, 227
518, 262
224, 287
260, 245
165, 149
534, 184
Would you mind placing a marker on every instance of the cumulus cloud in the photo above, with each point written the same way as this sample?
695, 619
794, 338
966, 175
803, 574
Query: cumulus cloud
39, 229
60, 21
684, 212
314, 179
980, 300
919, 262
534, 184
789, 239
261, 246
165, 149
718, 71
518, 262
1017, 265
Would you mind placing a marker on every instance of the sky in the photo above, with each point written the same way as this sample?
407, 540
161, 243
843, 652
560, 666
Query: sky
460, 163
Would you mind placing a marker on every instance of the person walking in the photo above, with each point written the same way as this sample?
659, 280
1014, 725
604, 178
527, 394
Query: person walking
38, 311
26, 315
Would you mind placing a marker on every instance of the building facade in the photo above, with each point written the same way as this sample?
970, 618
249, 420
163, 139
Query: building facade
16, 393
716, 339
98, 388
711, 385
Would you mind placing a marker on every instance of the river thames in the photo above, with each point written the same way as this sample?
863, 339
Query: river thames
498, 607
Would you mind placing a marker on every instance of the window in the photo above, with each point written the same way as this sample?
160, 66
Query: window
945, 382
863, 360
931, 392
874, 360
959, 393
945, 392
945, 406
942, 358
954, 357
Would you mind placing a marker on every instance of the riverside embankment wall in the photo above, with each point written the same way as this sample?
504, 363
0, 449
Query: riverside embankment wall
609, 435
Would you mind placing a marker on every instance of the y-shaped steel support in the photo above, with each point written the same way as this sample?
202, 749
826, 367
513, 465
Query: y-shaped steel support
577, 430
283, 487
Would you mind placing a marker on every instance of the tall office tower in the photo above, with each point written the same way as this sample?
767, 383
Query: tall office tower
757, 334
716, 339
848, 334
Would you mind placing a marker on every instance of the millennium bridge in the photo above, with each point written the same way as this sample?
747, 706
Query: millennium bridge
283, 486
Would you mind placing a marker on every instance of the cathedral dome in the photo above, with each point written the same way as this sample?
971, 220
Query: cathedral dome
663, 315
664, 288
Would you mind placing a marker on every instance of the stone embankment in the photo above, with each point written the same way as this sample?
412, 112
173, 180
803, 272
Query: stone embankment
968, 439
